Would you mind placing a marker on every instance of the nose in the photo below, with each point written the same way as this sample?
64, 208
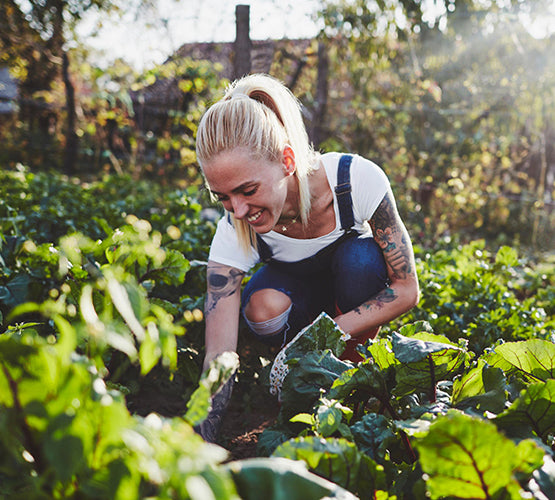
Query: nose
240, 208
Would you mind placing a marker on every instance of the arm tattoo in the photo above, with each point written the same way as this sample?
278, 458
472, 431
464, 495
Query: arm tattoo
222, 282
386, 296
389, 234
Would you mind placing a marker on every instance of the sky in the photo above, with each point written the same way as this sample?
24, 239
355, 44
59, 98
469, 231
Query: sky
181, 21
175, 22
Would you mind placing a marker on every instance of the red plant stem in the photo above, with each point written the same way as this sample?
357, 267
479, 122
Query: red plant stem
404, 438
28, 439
433, 389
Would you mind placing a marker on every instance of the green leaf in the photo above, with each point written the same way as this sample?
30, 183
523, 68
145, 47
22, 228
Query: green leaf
65, 455
373, 435
279, 478
312, 374
470, 457
329, 417
532, 412
271, 438
337, 460
424, 362
382, 353
173, 269
506, 256
323, 333
16, 291
366, 378
303, 418
482, 387
149, 353
416, 348
411, 329
535, 358
212, 379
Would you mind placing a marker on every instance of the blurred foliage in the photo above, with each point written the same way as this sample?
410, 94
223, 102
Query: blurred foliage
457, 106
461, 118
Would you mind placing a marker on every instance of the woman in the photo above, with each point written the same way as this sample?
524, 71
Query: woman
327, 226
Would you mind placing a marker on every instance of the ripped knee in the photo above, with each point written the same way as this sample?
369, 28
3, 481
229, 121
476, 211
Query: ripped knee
271, 326
265, 304
267, 311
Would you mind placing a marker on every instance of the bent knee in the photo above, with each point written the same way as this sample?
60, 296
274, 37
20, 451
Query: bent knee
266, 304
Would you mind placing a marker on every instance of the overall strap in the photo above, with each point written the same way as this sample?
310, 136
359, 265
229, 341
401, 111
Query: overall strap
344, 202
264, 250
343, 193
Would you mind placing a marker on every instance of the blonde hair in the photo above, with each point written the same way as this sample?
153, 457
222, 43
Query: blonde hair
260, 114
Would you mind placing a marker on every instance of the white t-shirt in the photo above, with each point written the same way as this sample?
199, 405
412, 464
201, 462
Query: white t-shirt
369, 185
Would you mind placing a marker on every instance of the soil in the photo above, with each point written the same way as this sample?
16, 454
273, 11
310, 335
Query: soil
243, 424
251, 410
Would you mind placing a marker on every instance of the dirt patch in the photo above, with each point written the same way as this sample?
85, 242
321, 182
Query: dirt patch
251, 410
247, 417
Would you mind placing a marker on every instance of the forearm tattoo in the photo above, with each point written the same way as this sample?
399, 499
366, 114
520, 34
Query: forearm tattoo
384, 297
390, 235
222, 282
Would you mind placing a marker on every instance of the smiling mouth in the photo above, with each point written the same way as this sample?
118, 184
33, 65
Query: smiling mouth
253, 218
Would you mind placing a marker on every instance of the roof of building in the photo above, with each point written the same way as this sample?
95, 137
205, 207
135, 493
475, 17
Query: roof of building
263, 55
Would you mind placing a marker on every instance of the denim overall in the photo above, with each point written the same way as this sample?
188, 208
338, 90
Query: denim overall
336, 279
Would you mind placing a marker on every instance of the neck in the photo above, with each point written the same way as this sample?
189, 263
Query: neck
291, 207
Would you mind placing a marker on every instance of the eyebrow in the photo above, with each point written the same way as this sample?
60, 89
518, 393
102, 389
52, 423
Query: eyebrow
240, 188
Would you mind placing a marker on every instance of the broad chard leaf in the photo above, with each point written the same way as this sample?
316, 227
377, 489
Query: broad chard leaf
313, 373
366, 379
172, 271
533, 359
373, 435
533, 413
482, 388
415, 327
381, 352
419, 346
425, 361
337, 460
471, 457
321, 334
278, 478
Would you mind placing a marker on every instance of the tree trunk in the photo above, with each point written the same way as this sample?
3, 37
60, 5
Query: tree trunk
70, 152
242, 59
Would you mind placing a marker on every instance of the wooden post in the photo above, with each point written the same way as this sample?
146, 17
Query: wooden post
319, 129
242, 60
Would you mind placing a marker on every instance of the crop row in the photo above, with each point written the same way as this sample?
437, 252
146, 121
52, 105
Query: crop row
102, 285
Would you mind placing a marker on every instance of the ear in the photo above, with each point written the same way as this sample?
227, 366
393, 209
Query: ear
288, 160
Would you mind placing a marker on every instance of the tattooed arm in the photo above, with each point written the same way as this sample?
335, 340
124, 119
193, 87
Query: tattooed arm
221, 312
221, 309
402, 294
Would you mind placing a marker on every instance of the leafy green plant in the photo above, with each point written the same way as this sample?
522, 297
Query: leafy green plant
415, 406
469, 292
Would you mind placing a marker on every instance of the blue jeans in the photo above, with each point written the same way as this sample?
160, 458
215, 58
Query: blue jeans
337, 279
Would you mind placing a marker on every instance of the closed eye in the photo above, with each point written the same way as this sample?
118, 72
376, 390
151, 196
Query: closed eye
250, 192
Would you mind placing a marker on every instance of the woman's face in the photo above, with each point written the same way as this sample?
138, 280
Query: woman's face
254, 190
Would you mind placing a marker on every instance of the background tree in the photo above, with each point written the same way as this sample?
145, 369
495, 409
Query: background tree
460, 116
